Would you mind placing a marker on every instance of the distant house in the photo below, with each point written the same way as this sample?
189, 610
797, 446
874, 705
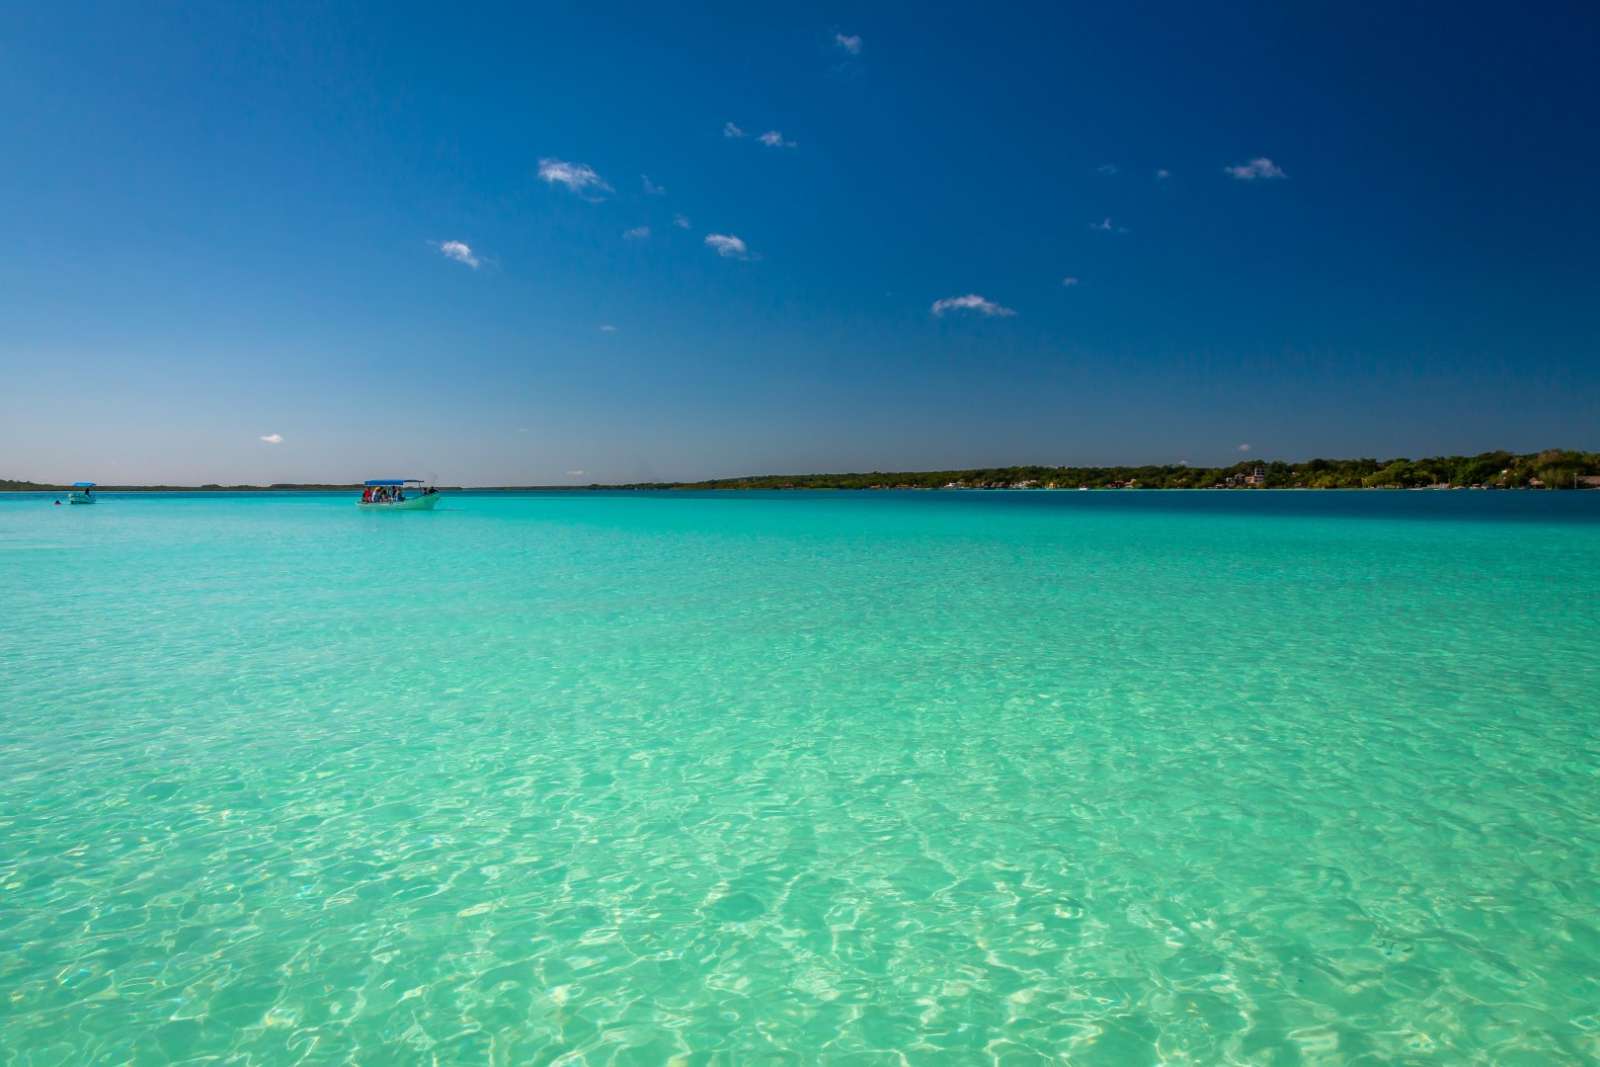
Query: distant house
1257, 477
1589, 481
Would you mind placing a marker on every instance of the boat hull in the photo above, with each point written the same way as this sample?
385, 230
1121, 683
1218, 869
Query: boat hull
411, 503
79, 498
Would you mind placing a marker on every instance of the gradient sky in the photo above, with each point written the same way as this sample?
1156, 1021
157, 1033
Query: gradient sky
397, 237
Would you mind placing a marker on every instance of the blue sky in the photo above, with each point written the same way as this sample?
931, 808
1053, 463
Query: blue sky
397, 238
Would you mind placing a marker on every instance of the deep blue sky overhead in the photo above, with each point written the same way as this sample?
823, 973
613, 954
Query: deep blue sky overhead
397, 237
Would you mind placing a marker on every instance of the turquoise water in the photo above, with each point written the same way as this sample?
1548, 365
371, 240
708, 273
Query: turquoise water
1104, 778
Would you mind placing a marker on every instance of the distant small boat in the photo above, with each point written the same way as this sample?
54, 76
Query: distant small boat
81, 493
398, 494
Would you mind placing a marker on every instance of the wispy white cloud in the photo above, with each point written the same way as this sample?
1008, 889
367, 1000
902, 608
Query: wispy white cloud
681, 221
651, 188
971, 302
578, 177
774, 139
606, 327
1107, 169
272, 438
638, 233
1069, 281
727, 245
850, 42
1244, 448
461, 252
731, 130
576, 474
1260, 167
1107, 226
1162, 174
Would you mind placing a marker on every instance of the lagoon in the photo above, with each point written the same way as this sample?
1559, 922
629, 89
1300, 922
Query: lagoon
1113, 777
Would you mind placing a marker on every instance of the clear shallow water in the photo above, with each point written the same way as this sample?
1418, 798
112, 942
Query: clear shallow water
867, 778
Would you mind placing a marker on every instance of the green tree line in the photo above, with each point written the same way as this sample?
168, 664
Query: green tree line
1550, 469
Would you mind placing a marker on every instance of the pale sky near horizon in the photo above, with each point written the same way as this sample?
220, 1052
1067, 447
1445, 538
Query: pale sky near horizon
515, 244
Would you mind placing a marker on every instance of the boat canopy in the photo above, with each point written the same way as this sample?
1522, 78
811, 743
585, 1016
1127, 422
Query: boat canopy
83, 485
393, 481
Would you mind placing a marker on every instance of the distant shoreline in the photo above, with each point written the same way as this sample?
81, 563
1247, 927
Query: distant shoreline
505, 490
13, 488
1549, 469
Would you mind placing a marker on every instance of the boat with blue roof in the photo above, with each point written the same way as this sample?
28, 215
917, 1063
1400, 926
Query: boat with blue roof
397, 494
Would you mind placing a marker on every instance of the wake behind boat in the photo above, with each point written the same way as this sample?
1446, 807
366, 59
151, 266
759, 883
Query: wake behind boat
398, 494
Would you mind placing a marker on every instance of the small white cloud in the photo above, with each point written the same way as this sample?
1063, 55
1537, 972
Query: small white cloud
971, 302
1106, 226
651, 188
731, 130
461, 252
576, 474
681, 221
1107, 169
727, 245
1260, 167
272, 438
1069, 281
850, 42
774, 139
578, 177
1244, 448
638, 233
607, 328
1163, 174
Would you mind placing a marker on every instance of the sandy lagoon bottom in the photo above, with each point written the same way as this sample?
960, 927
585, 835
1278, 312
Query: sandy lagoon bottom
1110, 778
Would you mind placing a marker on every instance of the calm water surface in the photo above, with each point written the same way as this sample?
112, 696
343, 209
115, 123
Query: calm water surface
1104, 778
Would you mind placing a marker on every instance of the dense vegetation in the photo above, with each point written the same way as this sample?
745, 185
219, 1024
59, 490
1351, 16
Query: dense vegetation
1553, 468
1550, 469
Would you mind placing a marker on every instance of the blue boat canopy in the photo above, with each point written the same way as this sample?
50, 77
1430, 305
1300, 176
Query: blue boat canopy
393, 481
83, 485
